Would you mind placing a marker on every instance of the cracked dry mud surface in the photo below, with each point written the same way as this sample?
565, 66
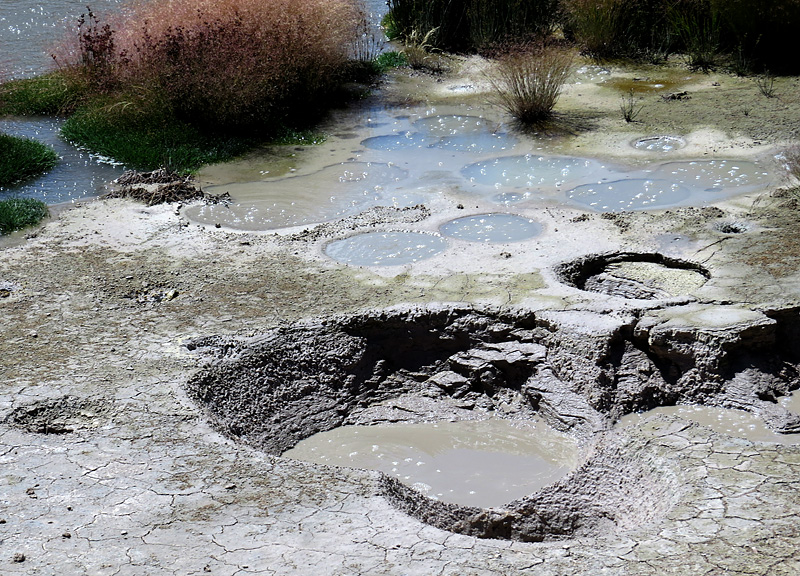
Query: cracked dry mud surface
152, 371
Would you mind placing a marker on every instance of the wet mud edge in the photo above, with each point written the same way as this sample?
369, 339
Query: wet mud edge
579, 371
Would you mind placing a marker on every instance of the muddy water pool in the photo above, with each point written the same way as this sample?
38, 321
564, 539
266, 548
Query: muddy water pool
477, 463
736, 423
404, 156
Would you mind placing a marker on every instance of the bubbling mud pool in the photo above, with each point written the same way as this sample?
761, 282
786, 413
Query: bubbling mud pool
349, 187
483, 463
492, 228
414, 156
386, 248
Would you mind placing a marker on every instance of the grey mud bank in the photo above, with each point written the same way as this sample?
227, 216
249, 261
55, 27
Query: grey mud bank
153, 370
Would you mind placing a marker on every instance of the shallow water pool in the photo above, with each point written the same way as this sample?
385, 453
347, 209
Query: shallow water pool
492, 228
477, 463
386, 248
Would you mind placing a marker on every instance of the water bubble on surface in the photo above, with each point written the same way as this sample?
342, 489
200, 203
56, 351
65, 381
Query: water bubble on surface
492, 228
659, 143
716, 175
386, 248
531, 171
629, 194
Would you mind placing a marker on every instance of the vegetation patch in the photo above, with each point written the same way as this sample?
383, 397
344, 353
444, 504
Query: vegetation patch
186, 83
472, 24
22, 158
146, 137
743, 35
19, 213
528, 81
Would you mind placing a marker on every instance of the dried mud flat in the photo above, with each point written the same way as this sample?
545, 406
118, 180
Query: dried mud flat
152, 369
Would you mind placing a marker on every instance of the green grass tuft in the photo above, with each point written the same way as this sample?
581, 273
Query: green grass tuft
21, 158
48, 95
389, 60
147, 140
19, 213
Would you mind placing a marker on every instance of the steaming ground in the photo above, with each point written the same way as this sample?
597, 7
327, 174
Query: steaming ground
108, 467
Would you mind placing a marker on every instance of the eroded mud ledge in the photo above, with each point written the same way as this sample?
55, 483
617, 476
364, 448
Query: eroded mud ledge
579, 371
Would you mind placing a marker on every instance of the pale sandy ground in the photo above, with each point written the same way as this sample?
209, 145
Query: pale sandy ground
98, 302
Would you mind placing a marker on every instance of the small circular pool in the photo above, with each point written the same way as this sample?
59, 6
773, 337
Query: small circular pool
531, 170
386, 248
492, 228
630, 194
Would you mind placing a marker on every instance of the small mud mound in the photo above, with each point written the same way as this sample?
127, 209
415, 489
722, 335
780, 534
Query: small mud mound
577, 371
732, 227
634, 275
59, 415
157, 187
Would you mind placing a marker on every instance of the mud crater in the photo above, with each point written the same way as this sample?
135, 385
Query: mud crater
634, 275
578, 371
59, 415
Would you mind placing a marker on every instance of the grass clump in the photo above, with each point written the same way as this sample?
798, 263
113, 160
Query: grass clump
144, 137
388, 60
699, 29
22, 158
48, 95
19, 213
528, 80
630, 107
230, 65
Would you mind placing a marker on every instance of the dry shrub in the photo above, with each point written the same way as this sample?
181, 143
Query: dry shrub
791, 158
225, 63
528, 80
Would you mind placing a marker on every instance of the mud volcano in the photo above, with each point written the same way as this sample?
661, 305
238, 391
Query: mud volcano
577, 371
643, 276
